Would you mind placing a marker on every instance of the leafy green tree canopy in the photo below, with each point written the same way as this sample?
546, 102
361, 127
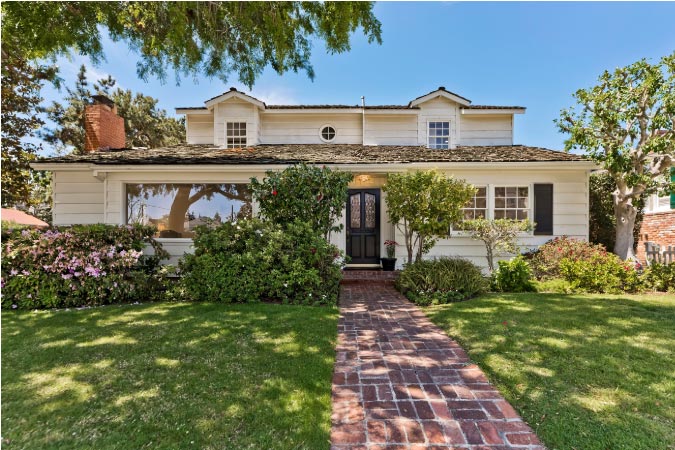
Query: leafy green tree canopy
145, 125
21, 84
423, 205
625, 123
216, 38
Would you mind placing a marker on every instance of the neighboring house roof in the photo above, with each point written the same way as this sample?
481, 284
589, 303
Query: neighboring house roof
316, 153
21, 218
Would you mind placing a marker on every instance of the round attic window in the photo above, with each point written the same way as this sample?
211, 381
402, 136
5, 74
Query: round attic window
328, 133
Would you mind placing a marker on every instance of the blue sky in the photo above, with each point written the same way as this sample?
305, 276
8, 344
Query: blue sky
511, 53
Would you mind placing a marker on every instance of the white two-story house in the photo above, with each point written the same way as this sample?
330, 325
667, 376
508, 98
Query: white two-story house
234, 136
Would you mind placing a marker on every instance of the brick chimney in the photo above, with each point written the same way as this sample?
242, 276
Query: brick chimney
104, 129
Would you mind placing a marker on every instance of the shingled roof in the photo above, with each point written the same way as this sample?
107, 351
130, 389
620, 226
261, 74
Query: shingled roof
317, 154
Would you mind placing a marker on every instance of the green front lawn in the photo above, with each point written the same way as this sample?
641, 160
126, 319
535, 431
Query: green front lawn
586, 371
179, 375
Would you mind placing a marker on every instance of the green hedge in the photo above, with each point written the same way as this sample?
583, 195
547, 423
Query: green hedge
252, 261
441, 280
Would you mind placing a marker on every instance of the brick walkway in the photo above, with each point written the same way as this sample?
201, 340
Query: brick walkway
401, 383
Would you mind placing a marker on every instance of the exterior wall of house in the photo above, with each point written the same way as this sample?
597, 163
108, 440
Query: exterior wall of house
293, 128
79, 197
486, 130
570, 211
391, 129
235, 110
199, 128
438, 109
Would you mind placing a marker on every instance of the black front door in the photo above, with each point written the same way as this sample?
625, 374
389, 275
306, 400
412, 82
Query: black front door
363, 226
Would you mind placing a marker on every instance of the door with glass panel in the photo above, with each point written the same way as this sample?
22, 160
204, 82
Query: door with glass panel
363, 226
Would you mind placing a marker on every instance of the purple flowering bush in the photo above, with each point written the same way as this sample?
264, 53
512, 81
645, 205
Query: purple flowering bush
80, 265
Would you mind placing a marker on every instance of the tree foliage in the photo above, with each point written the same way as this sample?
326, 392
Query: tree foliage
21, 83
317, 195
625, 123
145, 125
602, 220
499, 235
216, 38
423, 205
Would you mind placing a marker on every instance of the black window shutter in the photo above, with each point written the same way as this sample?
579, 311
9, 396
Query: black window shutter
543, 209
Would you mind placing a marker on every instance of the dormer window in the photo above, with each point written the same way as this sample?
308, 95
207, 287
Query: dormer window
438, 136
328, 133
235, 135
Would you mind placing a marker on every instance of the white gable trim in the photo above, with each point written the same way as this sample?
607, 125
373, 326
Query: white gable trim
234, 94
440, 93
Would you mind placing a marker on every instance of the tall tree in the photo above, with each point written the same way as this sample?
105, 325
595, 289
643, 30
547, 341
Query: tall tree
145, 125
625, 124
21, 83
216, 38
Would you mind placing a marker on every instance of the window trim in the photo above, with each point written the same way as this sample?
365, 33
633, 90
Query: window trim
321, 132
440, 119
124, 206
236, 120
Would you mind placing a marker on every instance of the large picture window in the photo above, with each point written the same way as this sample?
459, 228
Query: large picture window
176, 209
512, 202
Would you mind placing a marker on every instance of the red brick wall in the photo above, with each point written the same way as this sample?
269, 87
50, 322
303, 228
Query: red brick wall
103, 128
658, 228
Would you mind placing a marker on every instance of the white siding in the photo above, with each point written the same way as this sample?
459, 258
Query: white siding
391, 129
438, 109
78, 198
235, 110
199, 128
486, 130
304, 128
570, 211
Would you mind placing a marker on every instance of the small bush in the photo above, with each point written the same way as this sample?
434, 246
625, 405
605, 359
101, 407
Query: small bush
545, 261
512, 276
251, 260
659, 277
601, 273
555, 285
439, 281
79, 265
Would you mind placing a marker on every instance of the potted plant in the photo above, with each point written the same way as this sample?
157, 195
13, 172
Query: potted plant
389, 263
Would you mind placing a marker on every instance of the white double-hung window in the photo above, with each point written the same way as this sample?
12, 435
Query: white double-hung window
438, 135
235, 135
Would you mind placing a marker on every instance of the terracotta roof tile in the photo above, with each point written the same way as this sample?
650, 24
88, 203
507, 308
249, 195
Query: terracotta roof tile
316, 153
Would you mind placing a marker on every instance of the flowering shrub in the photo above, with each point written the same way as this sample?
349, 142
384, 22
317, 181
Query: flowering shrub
600, 272
512, 276
545, 261
441, 280
314, 194
252, 260
77, 266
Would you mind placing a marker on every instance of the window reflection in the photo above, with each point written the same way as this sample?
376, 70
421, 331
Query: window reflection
176, 209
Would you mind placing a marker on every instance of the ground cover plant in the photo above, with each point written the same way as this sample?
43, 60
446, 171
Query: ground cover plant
79, 265
585, 371
168, 376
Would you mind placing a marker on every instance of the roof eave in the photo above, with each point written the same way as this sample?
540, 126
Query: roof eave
487, 111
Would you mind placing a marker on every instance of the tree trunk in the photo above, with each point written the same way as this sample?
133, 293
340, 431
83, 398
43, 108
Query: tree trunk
179, 209
625, 214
